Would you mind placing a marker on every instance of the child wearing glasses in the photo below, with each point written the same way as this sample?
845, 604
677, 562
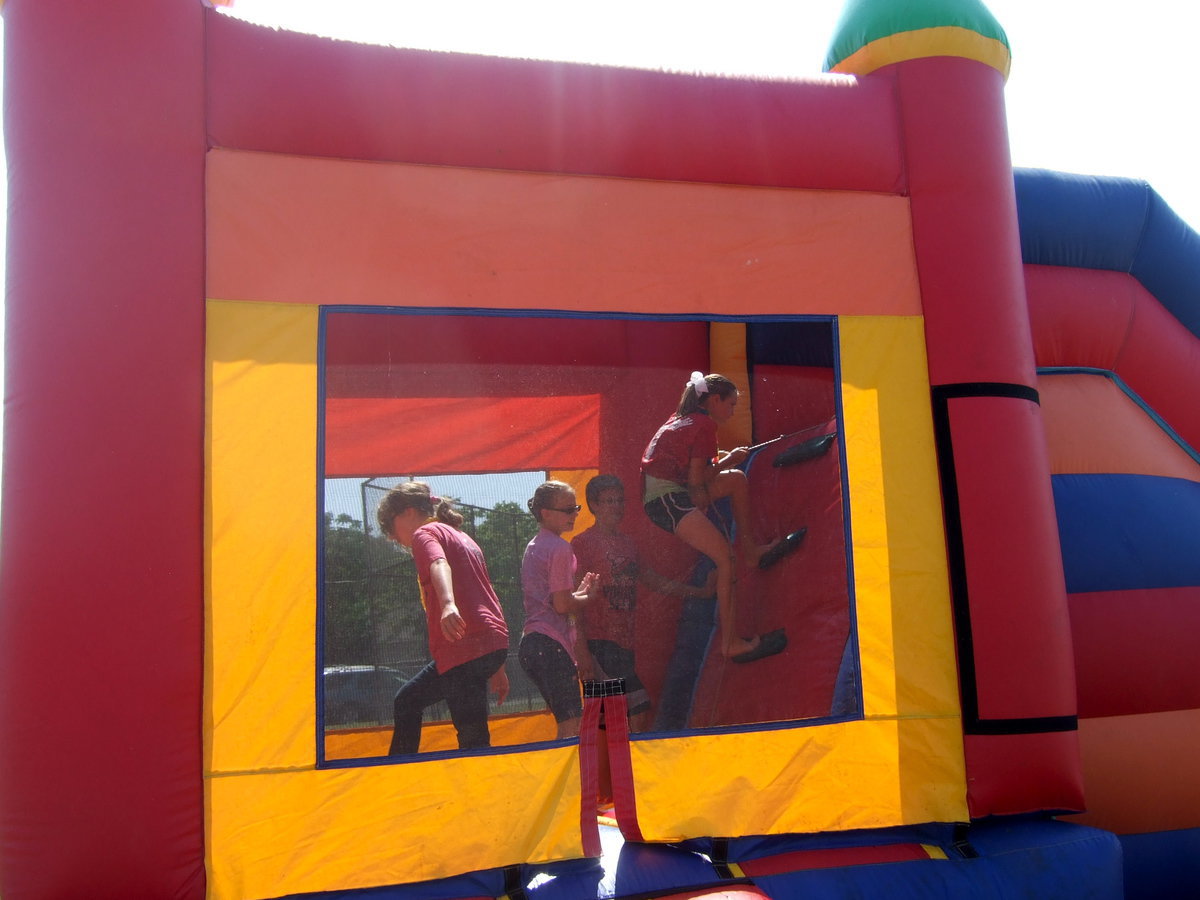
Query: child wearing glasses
607, 627
552, 601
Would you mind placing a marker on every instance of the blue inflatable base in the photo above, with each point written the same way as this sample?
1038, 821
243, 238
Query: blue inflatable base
997, 859
1164, 865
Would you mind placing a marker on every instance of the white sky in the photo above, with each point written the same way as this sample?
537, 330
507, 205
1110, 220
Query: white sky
1097, 86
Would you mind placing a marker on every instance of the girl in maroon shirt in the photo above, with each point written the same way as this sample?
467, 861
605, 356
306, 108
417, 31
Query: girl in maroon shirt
683, 473
468, 637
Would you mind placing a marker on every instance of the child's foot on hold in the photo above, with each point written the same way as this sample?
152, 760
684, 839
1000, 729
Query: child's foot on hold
753, 553
782, 548
764, 645
740, 645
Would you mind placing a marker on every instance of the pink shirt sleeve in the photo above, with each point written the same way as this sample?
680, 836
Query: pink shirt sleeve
562, 569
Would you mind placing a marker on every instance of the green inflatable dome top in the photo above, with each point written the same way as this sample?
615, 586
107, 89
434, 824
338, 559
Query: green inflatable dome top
945, 27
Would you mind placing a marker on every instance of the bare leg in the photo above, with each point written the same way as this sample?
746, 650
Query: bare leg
698, 532
733, 484
569, 728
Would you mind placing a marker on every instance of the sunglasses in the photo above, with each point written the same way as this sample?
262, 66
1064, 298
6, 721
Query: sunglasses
567, 509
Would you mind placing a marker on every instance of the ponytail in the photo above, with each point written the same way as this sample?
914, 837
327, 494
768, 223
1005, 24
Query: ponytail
415, 494
699, 388
444, 511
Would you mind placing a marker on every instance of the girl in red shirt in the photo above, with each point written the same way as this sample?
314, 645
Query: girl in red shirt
683, 473
468, 637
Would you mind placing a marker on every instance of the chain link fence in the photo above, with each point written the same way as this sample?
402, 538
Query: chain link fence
375, 636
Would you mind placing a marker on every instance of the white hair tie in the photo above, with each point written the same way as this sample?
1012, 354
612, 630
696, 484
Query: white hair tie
699, 385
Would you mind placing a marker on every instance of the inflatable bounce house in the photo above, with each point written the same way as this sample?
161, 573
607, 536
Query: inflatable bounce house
249, 267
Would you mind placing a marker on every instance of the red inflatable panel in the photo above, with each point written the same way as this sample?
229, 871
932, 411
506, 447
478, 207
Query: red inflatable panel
788, 398
396, 435
1079, 317
965, 221
1135, 650
1107, 320
1021, 638
379, 339
102, 568
806, 593
1160, 357
547, 359
290, 93
1024, 772
1007, 583
832, 857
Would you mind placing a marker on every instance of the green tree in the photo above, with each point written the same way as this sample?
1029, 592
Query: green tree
502, 534
372, 605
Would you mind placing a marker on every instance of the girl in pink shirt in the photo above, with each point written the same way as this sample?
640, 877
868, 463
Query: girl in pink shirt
552, 601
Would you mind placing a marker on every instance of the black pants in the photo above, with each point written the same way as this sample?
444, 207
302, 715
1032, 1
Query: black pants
550, 667
464, 688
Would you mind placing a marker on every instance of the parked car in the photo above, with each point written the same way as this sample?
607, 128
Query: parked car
360, 695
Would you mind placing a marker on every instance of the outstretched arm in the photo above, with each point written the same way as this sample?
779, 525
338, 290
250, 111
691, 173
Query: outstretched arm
453, 626
669, 586
731, 459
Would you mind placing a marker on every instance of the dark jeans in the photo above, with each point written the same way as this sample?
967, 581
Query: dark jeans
694, 634
464, 688
697, 625
550, 667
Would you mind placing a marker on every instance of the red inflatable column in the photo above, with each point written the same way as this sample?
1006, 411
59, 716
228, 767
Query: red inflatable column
101, 611
947, 61
1015, 660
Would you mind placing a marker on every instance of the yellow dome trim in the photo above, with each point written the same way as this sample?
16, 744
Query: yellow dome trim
948, 40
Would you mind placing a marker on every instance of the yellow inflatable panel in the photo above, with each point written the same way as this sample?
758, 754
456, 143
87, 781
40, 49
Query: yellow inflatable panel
277, 833
276, 823
903, 763
262, 539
